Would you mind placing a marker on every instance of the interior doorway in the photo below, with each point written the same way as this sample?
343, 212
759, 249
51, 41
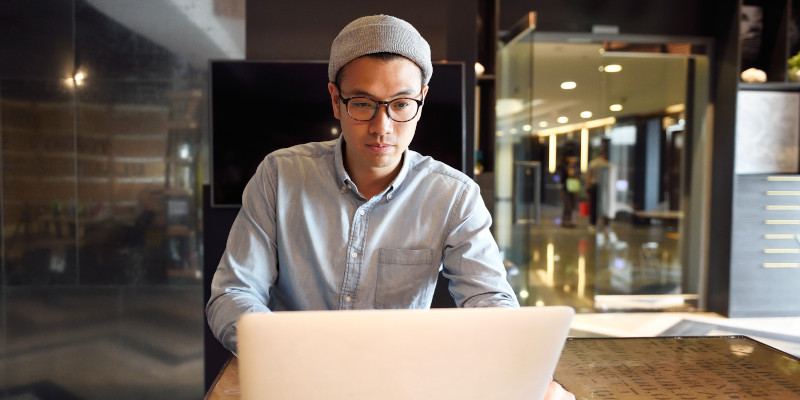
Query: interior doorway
615, 126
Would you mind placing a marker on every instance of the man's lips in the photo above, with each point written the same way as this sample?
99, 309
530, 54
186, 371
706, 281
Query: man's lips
380, 147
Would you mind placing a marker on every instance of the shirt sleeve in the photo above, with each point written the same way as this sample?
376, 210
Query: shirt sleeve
472, 260
248, 267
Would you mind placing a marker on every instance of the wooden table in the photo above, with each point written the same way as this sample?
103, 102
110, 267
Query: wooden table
686, 368
226, 385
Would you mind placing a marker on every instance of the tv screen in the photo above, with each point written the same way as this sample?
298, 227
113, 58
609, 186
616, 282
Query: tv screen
261, 106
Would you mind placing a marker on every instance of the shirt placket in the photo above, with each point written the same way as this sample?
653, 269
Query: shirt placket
355, 256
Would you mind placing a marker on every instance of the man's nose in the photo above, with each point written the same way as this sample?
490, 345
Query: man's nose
381, 124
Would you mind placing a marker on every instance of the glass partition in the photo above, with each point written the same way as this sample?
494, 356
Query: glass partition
613, 128
104, 144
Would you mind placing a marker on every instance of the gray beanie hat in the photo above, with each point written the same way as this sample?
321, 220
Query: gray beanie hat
379, 34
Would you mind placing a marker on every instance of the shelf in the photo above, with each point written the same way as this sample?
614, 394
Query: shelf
771, 86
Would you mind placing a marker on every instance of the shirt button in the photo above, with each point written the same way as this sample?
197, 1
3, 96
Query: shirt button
347, 299
354, 254
389, 197
362, 212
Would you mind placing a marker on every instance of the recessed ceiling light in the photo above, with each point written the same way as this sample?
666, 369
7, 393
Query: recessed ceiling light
586, 114
543, 124
568, 85
615, 107
675, 108
526, 128
562, 120
612, 68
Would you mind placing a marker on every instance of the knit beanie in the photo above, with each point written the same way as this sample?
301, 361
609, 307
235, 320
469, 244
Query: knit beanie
379, 34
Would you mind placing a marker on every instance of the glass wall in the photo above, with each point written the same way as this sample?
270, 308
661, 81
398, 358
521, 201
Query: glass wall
597, 138
103, 123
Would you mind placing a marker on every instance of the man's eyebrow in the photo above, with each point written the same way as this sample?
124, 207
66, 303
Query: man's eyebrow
404, 92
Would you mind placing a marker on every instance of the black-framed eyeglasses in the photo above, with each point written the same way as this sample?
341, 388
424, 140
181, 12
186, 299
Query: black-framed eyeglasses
365, 109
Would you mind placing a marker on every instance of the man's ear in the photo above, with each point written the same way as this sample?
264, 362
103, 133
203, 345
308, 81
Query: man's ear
424, 96
334, 91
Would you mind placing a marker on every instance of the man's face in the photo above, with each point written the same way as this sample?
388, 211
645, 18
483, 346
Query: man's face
377, 145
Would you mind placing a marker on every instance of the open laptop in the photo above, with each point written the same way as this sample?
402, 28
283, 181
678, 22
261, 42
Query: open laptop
471, 353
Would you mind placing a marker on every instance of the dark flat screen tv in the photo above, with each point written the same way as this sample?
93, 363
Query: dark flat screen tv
257, 107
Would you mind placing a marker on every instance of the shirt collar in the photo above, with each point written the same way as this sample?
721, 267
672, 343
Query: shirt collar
344, 178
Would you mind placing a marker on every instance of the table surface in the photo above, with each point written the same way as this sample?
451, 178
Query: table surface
729, 367
226, 385
687, 368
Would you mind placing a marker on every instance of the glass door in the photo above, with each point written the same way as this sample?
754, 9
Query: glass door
598, 146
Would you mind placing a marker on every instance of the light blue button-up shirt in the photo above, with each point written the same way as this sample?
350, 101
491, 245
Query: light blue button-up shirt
305, 239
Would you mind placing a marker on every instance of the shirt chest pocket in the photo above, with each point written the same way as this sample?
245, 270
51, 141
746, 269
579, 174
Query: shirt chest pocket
406, 278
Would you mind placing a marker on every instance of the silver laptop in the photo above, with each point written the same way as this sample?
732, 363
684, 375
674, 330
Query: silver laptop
475, 353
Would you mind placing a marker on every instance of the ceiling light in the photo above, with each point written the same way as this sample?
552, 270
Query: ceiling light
675, 108
562, 120
507, 107
568, 85
612, 68
615, 107
526, 128
586, 114
513, 131
543, 124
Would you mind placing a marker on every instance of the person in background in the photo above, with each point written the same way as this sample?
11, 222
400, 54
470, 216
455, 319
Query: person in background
593, 172
361, 222
570, 186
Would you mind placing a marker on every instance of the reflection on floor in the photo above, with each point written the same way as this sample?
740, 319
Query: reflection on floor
118, 342
630, 268
621, 266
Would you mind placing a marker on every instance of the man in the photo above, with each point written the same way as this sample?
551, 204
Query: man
360, 222
596, 167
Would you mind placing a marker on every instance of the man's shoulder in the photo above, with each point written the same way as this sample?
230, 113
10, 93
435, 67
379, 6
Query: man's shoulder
303, 152
428, 167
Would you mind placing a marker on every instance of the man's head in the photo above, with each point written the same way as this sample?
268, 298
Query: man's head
378, 71
379, 34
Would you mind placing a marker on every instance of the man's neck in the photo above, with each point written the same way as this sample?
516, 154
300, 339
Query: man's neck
373, 181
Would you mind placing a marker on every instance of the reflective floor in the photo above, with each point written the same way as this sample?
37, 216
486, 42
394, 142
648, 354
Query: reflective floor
620, 266
102, 343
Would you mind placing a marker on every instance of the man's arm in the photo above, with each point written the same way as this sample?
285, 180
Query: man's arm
472, 260
248, 267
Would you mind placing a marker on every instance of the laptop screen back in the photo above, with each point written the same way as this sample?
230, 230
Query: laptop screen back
401, 354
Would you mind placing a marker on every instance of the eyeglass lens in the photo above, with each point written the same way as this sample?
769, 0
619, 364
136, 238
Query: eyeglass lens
364, 109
